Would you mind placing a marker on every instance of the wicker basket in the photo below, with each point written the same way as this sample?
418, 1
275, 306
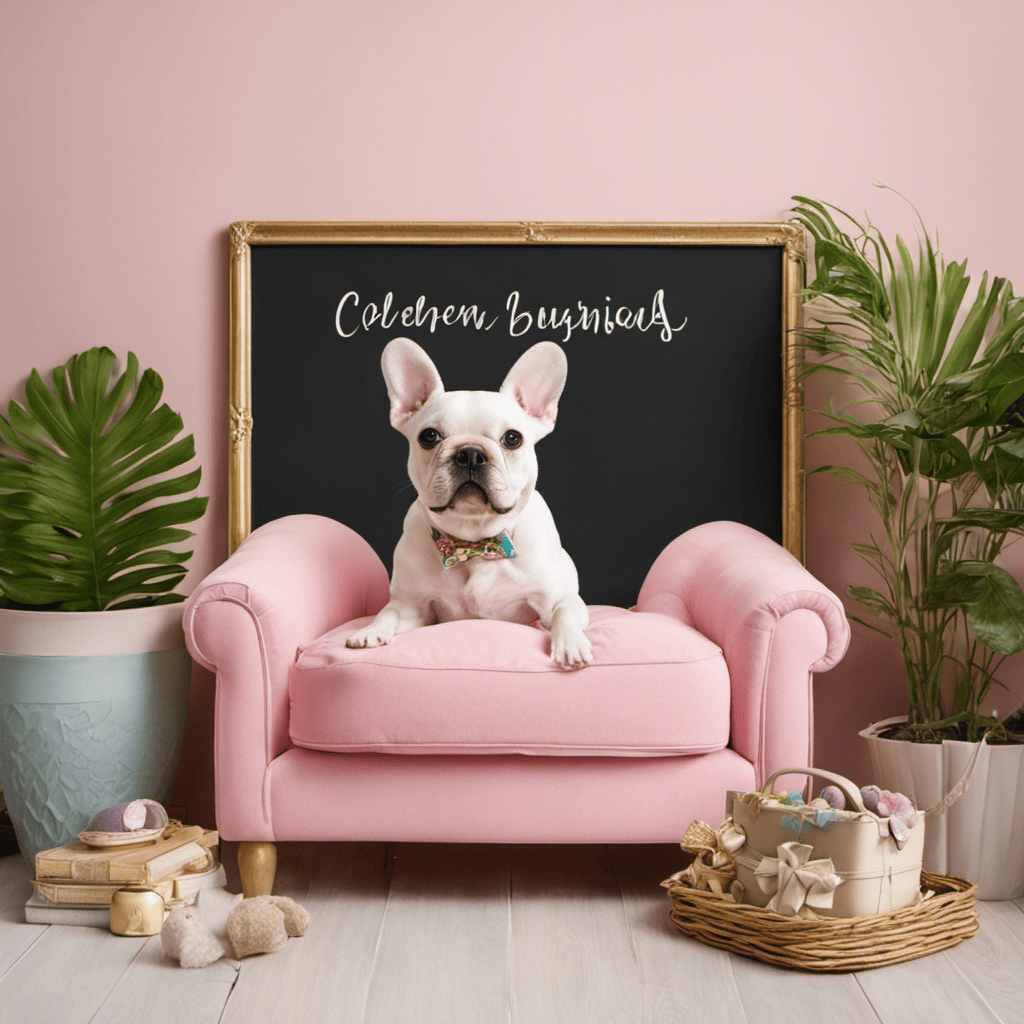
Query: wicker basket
830, 944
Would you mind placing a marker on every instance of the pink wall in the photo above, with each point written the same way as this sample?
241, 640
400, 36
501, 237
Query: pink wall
136, 132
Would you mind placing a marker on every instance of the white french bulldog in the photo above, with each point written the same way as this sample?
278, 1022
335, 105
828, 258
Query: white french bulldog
479, 542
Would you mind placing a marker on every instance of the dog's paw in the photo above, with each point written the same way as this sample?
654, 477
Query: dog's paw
571, 648
371, 636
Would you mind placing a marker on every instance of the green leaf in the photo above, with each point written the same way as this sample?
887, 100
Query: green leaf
146, 602
950, 297
171, 457
995, 519
1013, 445
128, 501
846, 473
869, 625
992, 598
1000, 471
173, 513
120, 391
50, 416
872, 599
940, 458
150, 539
1002, 384
84, 517
968, 340
880, 430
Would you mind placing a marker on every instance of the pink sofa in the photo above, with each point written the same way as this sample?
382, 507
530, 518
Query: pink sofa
467, 732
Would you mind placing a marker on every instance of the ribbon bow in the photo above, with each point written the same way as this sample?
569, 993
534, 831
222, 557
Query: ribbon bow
453, 550
797, 883
713, 868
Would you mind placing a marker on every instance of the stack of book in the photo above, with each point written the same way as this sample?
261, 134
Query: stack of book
74, 883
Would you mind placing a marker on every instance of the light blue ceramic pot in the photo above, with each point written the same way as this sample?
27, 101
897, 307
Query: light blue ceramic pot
92, 714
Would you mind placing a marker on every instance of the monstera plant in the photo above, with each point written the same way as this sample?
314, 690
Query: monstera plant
84, 522
94, 674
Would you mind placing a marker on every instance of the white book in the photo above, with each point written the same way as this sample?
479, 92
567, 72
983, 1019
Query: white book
38, 911
186, 887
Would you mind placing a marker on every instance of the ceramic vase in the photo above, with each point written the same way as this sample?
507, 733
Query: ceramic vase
981, 836
92, 714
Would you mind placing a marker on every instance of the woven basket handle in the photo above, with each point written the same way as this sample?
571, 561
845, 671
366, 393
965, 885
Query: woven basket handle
850, 791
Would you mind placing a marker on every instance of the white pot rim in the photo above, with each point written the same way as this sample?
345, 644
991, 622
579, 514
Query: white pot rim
50, 634
872, 731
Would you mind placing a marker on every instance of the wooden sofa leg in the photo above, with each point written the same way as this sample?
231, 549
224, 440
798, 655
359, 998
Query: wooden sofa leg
257, 863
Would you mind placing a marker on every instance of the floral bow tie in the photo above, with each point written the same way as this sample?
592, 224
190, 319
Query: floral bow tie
453, 550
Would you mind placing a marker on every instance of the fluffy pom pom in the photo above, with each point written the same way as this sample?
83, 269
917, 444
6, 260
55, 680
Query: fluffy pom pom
896, 805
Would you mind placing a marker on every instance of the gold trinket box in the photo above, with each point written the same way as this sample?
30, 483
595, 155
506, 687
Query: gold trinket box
136, 910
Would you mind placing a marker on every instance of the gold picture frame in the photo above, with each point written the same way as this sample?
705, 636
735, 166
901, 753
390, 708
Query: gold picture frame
244, 235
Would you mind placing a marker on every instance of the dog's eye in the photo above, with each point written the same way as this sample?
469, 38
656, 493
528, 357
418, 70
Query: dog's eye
429, 438
511, 439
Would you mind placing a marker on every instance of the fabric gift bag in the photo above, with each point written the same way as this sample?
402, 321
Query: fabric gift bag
834, 864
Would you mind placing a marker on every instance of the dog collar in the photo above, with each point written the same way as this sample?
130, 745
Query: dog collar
453, 550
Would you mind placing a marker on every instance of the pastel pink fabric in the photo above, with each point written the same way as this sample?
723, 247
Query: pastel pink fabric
500, 799
656, 686
288, 582
301, 577
738, 587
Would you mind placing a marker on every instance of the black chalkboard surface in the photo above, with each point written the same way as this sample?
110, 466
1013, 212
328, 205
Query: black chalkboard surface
672, 414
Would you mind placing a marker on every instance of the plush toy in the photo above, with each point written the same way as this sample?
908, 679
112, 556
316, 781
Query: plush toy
264, 923
220, 923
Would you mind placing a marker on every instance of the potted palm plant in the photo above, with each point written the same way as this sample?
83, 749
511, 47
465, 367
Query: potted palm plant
94, 674
938, 417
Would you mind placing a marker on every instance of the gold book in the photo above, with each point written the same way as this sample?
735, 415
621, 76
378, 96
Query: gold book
91, 894
138, 863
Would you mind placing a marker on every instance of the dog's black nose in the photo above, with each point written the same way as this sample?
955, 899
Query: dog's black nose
470, 456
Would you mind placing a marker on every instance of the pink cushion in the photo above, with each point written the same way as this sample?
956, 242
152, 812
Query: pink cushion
479, 686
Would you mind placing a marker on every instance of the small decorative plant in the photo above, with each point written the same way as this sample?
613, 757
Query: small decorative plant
939, 420
84, 473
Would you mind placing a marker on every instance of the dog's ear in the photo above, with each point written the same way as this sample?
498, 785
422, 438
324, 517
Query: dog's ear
411, 378
536, 382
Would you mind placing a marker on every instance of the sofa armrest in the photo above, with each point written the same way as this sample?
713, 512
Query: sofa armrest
289, 582
776, 625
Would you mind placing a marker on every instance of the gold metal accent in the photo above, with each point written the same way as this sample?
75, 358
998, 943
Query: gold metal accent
240, 234
793, 517
245, 234
257, 864
795, 243
241, 426
136, 910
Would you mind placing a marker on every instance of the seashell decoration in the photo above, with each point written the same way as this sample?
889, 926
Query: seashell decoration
129, 817
899, 831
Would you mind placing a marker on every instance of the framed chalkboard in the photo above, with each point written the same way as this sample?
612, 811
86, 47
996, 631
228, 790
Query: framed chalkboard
680, 405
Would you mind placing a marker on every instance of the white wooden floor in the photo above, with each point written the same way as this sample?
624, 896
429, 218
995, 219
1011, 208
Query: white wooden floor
454, 934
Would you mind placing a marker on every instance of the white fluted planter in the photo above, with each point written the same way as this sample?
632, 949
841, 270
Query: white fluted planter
981, 837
